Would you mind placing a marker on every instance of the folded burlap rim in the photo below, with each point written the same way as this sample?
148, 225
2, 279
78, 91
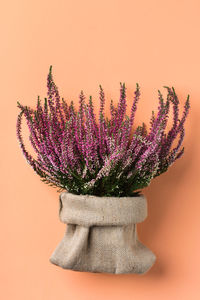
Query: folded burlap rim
89, 210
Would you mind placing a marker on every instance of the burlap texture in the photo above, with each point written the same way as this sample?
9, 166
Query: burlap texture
101, 234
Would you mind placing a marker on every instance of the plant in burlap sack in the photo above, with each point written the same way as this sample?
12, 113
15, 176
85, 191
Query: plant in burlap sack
101, 163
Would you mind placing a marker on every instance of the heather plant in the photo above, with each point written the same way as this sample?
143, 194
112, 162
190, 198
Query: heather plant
105, 156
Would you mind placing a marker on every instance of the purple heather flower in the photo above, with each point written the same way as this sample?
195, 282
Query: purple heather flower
77, 151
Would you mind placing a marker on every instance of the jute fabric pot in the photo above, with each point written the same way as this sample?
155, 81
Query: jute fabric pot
101, 234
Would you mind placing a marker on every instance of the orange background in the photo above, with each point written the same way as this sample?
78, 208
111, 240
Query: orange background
154, 43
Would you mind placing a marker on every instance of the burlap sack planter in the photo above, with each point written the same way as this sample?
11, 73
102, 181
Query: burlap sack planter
101, 234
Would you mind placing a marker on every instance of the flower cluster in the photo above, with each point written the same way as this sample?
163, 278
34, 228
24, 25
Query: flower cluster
105, 157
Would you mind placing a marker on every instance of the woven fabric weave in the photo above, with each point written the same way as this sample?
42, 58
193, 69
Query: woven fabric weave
101, 234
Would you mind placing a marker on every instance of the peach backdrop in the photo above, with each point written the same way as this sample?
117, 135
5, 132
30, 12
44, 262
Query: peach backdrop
154, 43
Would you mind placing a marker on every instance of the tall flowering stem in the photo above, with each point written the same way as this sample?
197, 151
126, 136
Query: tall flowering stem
85, 154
